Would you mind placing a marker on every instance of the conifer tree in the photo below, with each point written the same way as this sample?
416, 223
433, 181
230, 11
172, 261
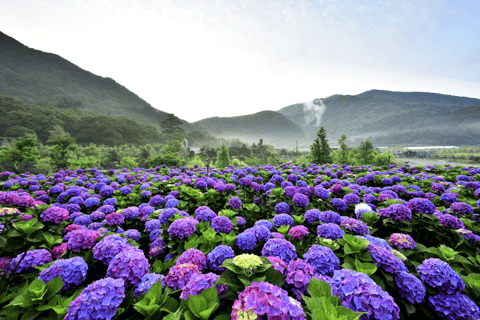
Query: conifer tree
366, 152
223, 157
320, 150
343, 159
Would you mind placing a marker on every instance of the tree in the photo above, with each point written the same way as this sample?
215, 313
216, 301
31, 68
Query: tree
223, 158
61, 146
171, 124
343, 159
19, 152
366, 152
320, 150
244, 151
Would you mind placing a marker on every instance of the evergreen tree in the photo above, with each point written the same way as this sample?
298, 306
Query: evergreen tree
366, 153
171, 124
320, 150
343, 159
223, 158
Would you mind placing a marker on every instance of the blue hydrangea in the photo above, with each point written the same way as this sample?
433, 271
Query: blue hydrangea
151, 225
182, 228
322, 259
440, 276
282, 207
99, 300
282, 219
279, 248
72, 271
377, 241
410, 287
262, 233
385, 259
265, 223
195, 257
339, 204
146, 282
330, 231
216, 257
133, 234
107, 248
32, 259
198, 283
130, 265
246, 241
204, 213
222, 224
83, 220
329, 217
454, 306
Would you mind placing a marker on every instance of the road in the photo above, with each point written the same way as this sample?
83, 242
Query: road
434, 162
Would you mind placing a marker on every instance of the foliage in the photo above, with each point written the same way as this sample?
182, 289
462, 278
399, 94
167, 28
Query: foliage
320, 150
223, 158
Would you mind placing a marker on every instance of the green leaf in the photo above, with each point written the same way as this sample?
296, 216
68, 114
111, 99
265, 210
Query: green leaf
53, 286
228, 263
197, 304
24, 300
30, 314
319, 288
274, 277
190, 316
37, 289
365, 267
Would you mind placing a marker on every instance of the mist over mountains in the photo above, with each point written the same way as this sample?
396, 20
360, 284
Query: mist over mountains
386, 118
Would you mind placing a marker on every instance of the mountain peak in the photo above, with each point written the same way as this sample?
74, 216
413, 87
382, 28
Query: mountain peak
8, 42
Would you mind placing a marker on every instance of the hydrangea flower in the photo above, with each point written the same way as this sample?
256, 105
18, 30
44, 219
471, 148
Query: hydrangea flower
241, 221
362, 208
396, 212
311, 215
180, 275
469, 235
265, 299
133, 234
298, 232
322, 259
278, 264
454, 306
447, 220
421, 205
261, 233
322, 193
235, 202
216, 257
130, 212
204, 213
4, 265
194, 256
198, 283
330, 231
58, 250
246, 241
72, 271
440, 276
32, 259
107, 248
55, 214
282, 219
351, 198
130, 265
247, 261
410, 287
265, 223
339, 204
300, 200
99, 300
359, 227
222, 224
282, 207
146, 282
182, 228
460, 208
329, 217
384, 259
361, 294
403, 241
279, 248
82, 239
299, 273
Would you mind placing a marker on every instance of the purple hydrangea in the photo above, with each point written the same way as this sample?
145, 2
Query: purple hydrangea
107, 248
156, 201
182, 228
421, 205
32, 259
282, 219
330, 231
167, 214
322, 259
410, 287
55, 214
322, 193
235, 202
440, 276
180, 275
246, 241
130, 265
282, 207
396, 212
454, 306
279, 248
385, 259
351, 198
97, 215
339, 204
198, 283
300, 200
329, 217
265, 299
241, 221
402, 241
146, 282
204, 213
216, 257
72, 271
131, 212
266, 223
351, 224
152, 225
298, 232
448, 197
92, 202
82, 239
377, 241
133, 234
299, 273
278, 264
4, 265
99, 300
114, 218
460, 208
361, 294
222, 224
194, 256
312, 215
58, 250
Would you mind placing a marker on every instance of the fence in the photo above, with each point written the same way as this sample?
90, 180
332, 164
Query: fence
474, 158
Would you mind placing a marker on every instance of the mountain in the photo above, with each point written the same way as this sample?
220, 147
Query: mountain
391, 118
32, 76
272, 126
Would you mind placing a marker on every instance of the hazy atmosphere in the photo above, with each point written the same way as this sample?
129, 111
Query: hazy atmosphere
201, 59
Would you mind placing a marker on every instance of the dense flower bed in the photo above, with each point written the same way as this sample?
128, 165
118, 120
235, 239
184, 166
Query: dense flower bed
240, 243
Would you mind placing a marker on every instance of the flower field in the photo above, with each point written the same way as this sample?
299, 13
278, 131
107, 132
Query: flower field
292, 242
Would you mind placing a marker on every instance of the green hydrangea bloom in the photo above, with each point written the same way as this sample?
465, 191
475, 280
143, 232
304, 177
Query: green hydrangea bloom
399, 255
247, 261
246, 315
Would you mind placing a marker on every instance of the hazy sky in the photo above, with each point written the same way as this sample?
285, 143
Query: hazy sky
199, 59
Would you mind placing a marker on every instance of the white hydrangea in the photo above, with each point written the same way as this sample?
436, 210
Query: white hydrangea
362, 208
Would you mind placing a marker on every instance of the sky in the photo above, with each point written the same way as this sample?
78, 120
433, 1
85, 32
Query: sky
200, 59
